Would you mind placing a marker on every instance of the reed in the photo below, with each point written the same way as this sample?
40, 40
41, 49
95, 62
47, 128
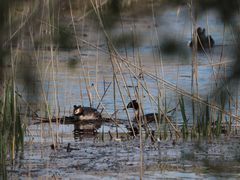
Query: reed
184, 117
200, 115
208, 118
12, 130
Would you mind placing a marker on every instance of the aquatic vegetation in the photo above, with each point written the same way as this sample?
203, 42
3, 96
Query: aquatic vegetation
117, 51
11, 126
185, 120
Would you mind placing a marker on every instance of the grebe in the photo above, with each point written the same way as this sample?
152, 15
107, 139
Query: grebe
87, 119
150, 117
203, 41
85, 113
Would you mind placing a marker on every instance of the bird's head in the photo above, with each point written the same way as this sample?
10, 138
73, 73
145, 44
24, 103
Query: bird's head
77, 110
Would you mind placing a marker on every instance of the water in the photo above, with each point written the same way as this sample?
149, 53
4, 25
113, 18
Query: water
87, 80
113, 160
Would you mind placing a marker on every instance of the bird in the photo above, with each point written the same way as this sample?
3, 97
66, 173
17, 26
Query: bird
85, 113
86, 118
203, 41
150, 117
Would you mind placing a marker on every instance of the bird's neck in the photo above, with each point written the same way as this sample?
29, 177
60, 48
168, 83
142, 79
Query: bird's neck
137, 114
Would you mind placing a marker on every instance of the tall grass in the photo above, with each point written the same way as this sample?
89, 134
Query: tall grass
11, 126
184, 117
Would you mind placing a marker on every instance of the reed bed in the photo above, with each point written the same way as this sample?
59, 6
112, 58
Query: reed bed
211, 116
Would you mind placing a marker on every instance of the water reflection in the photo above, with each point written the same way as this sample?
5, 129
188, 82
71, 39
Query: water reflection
86, 130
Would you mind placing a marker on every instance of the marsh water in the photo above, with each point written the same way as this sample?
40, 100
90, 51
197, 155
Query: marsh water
73, 77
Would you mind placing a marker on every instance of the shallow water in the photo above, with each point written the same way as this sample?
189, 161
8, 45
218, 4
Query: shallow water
92, 158
119, 158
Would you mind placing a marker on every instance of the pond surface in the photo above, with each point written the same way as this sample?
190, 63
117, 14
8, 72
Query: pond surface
69, 79
92, 158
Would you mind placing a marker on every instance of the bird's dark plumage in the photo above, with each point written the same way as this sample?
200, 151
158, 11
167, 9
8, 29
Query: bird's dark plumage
203, 41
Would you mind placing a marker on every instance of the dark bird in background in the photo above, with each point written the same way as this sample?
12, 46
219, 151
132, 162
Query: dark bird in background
203, 41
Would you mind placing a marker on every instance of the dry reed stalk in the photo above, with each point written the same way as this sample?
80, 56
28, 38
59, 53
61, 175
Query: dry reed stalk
42, 80
161, 87
114, 99
103, 107
105, 92
56, 100
144, 87
97, 61
141, 150
169, 85
236, 125
14, 95
98, 5
52, 69
127, 91
168, 120
194, 79
53, 62
150, 97
140, 118
157, 72
79, 51
113, 60
211, 63
119, 89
